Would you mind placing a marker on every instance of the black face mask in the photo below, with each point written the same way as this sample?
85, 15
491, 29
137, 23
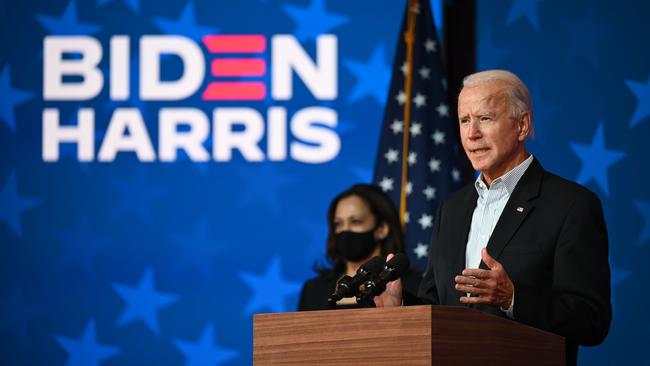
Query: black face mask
355, 246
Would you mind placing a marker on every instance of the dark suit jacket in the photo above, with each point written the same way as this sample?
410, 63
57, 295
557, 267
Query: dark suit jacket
552, 241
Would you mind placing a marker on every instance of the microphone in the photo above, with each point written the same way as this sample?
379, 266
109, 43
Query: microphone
393, 269
349, 286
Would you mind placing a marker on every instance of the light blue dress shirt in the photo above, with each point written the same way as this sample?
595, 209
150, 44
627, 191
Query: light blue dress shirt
489, 206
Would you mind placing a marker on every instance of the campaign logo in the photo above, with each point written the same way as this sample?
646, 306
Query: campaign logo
220, 69
236, 67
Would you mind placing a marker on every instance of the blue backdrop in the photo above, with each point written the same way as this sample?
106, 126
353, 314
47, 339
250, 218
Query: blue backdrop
124, 261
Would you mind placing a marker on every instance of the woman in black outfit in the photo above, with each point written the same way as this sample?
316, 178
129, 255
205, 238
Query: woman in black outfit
363, 223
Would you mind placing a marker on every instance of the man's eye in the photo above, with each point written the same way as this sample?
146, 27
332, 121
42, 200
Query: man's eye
464, 120
486, 118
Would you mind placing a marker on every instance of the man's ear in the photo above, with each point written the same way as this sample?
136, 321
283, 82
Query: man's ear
524, 126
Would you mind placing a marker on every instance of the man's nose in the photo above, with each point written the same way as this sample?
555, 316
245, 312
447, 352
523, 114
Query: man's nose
474, 129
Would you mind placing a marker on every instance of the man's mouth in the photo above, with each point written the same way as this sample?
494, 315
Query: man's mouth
479, 150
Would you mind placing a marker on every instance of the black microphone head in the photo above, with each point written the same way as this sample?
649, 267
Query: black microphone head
344, 281
343, 289
397, 266
393, 269
374, 265
348, 287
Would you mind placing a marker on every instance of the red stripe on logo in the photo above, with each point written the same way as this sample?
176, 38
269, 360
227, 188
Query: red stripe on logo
251, 43
238, 67
239, 90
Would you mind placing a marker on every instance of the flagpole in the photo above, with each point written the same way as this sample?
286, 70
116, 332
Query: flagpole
409, 38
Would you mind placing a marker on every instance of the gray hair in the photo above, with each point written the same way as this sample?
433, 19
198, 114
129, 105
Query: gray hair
516, 91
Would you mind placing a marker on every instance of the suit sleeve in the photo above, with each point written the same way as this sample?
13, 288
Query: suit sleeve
428, 293
578, 304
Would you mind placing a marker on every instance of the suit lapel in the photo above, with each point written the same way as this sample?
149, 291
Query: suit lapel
462, 230
516, 210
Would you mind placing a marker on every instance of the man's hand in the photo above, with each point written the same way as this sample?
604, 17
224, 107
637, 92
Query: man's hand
493, 286
392, 296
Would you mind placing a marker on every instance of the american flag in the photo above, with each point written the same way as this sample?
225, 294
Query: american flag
418, 109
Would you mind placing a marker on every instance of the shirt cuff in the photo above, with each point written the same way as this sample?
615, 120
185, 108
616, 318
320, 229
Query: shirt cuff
509, 311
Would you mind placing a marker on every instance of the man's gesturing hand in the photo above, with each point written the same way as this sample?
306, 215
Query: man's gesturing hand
492, 286
392, 296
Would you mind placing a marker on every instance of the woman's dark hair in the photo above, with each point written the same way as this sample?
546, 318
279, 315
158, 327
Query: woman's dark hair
382, 209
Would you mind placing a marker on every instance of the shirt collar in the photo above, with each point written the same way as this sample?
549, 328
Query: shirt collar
508, 180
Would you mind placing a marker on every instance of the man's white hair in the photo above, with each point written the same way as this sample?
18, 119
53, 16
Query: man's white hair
518, 95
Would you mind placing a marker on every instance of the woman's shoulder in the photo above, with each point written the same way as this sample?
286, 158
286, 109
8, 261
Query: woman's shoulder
322, 280
315, 292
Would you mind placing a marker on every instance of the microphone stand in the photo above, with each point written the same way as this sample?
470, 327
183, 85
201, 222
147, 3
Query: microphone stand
364, 300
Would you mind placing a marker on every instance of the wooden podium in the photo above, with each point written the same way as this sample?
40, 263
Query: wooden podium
410, 335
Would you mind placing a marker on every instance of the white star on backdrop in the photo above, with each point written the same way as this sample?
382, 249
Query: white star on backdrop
424, 72
455, 174
430, 192
386, 184
434, 165
405, 69
421, 250
401, 97
425, 221
430, 45
416, 129
397, 126
392, 155
438, 137
420, 100
443, 110
413, 157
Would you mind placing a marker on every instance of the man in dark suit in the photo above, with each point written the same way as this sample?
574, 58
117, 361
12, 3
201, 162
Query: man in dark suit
520, 242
